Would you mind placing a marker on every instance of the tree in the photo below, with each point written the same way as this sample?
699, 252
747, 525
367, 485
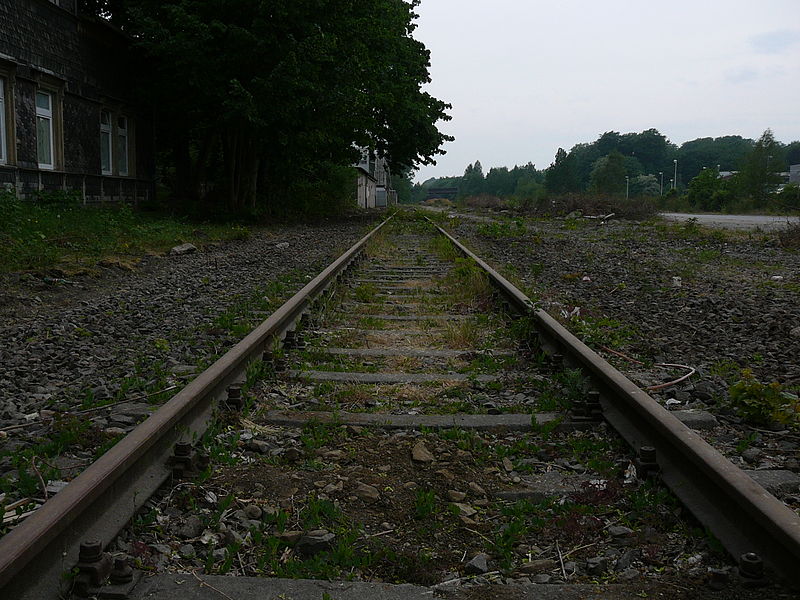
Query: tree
402, 184
561, 175
727, 152
757, 177
644, 186
608, 174
792, 153
705, 190
254, 97
472, 182
499, 182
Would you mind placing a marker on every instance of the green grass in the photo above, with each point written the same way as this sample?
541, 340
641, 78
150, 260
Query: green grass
57, 232
503, 229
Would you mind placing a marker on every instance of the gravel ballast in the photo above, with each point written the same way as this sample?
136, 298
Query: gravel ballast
72, 343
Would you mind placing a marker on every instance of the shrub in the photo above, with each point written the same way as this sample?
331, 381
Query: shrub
790, 237
762, 403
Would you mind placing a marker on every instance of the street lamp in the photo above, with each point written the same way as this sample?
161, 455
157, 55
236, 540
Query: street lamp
627, 186
661, 191
675, 179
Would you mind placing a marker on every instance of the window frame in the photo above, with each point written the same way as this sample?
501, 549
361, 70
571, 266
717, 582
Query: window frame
122, 138
49, 115
3, 127
108, 129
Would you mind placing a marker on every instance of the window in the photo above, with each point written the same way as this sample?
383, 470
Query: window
122, 145
44, 129
105, 142
3, 133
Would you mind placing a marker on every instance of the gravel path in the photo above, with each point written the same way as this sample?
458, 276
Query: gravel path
765, 222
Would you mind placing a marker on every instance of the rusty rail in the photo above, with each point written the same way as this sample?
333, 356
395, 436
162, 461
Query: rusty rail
738, 511
36, 555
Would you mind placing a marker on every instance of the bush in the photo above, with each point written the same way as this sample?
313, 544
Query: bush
790, 237
764, 404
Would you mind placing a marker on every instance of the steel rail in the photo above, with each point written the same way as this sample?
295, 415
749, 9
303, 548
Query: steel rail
101, 500
737, 510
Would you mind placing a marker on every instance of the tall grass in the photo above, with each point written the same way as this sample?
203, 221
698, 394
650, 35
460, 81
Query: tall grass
60, 233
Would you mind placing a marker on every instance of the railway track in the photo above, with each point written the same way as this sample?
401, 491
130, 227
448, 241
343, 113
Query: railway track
409, 417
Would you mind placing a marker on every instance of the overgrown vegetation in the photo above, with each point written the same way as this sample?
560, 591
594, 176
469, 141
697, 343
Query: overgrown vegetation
764, 404
55, 231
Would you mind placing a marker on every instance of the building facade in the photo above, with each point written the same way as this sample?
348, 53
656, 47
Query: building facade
69, 119
374, 182
794, 174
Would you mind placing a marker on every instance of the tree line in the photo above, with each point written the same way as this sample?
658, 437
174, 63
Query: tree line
263, 106
698, 174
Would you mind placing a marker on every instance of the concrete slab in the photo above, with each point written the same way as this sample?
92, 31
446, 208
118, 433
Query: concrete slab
360, 306
215, 587
397, 283
349, 377
765, 222
509, 422
542, 486
418, 317
383, 332
422, 353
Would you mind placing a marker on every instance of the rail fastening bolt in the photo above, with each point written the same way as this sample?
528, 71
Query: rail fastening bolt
234, 395
90, 551
183, 449
647, 454
121, 573
751, 565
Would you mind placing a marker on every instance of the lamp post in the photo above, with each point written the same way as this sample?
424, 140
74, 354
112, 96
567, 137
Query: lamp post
661, 191
627, 186
675, 179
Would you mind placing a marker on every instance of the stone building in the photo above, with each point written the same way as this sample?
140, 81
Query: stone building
374, 182
68, 115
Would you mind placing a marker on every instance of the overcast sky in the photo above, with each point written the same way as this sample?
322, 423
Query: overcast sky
525, 77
